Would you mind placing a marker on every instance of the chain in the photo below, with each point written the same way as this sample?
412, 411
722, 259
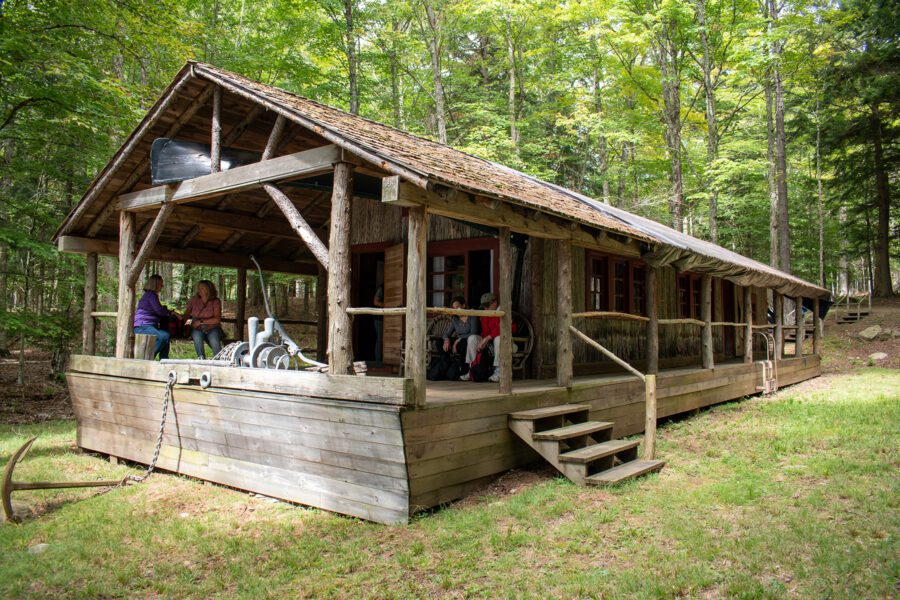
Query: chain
170, 384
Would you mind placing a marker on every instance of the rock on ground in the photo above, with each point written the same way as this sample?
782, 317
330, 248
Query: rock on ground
878, 356
870, 333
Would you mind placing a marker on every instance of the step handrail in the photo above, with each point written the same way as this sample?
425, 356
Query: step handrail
649, 381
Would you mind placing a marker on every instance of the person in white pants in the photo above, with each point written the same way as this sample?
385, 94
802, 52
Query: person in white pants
490, 332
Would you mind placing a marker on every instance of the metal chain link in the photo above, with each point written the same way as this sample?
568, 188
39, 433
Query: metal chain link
171, 379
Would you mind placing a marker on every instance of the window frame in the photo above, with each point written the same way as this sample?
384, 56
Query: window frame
632, 267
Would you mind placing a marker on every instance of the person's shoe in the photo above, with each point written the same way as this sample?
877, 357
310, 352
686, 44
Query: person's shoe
495, 376
464, 377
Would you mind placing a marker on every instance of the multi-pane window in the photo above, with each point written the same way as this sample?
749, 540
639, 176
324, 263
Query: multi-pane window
615, 284
598, 285
688, 296
447, 278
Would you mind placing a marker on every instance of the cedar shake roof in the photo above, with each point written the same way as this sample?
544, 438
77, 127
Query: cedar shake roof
425, 163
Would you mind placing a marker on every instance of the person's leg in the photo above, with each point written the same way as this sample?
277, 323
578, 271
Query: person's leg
496, 352
197, 336
471, 348
214, 337
379, 340
162, 344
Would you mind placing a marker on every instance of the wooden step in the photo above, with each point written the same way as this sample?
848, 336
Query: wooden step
570, 431
592, 453
629, 470
548, 411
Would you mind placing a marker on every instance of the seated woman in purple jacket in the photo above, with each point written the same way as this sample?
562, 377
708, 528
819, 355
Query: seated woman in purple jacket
150, 312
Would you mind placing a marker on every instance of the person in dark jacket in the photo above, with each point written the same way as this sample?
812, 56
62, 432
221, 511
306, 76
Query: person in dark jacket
150, 312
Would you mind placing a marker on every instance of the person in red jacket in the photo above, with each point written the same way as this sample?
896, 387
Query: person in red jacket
490, 333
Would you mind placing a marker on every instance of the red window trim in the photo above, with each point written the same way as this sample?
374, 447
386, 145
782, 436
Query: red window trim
632, 265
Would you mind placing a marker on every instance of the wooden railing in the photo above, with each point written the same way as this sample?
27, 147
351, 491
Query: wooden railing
649, 388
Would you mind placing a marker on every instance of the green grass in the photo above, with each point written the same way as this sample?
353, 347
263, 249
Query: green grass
792, 496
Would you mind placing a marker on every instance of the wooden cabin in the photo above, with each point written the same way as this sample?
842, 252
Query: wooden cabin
628, 320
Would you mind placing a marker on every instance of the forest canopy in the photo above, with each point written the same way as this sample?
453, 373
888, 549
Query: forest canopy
768, 127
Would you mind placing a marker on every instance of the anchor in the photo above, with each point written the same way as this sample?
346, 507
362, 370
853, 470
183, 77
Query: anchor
8, 486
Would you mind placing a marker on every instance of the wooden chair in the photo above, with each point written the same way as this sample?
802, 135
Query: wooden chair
523, 341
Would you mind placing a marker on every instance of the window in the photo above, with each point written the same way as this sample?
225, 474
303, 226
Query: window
615, 284
598, 286
689, 296
447, 278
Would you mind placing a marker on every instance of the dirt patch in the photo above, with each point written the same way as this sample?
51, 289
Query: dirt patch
844, 350
44, 397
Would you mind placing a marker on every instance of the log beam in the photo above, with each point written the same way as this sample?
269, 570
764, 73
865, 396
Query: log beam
564, 314
506, 343
340, 352
299, 224
494, 213
125, 318
416, 290
706, 335
300, 164
801, 326
652, 310
143, 254
322, 315
748, 329
88, 331
196, 256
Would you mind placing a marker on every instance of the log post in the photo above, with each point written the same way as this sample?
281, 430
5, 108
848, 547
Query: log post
88, 331
748, 328
537, 305
215, 146
340, 351
416, 290
706, 336
240, 306
778, 307
506, 343
652, 321
125, 318
817, 329
801, 327
564, 314
322, 315
649, 416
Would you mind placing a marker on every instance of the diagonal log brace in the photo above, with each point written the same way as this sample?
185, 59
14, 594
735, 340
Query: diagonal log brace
8, 486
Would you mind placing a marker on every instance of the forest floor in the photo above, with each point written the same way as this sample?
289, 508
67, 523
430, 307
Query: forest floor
792, 495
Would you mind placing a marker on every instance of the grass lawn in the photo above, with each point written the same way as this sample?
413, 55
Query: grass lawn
790, 496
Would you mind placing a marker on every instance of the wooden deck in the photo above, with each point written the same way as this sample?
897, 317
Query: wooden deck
354, 445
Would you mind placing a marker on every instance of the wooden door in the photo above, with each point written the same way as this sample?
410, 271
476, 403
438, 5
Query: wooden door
394, 278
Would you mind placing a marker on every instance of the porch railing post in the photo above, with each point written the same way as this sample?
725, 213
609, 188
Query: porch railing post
564, 314
340, 352
506, 343
653, 321
125, 312
240, 310
748, 329
801, 327
650, 416
88, 337
778, 307
706, 337
817, 328
416, 286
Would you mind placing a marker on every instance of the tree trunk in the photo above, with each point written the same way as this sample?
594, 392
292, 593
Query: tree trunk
712, 132
770, 178
434, 49
784, 231
511, 57
883, 288
820, 204
670, 71
352, 61
4, 269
